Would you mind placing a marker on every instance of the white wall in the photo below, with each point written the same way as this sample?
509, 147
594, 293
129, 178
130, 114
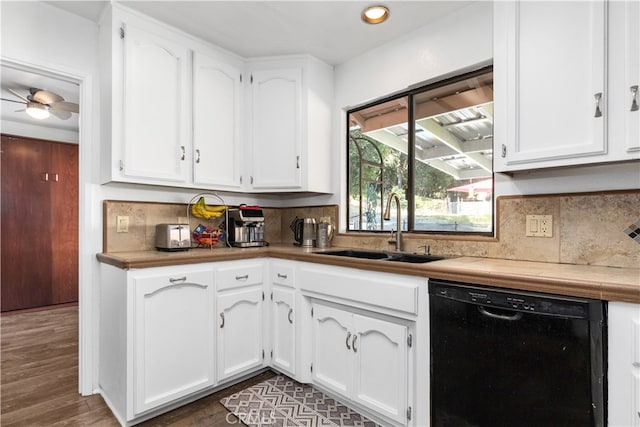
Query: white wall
455, 42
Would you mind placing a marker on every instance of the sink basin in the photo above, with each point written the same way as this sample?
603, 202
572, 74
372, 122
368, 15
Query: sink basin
352, 253
383, 256
413, 258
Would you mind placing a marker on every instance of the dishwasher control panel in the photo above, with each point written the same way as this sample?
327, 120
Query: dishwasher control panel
521, 301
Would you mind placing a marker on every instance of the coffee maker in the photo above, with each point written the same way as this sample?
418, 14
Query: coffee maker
246, 227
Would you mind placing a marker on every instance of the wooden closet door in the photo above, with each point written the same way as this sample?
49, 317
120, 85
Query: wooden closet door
64, 219
34, 220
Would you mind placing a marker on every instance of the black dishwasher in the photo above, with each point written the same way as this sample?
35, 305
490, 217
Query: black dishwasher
502, 358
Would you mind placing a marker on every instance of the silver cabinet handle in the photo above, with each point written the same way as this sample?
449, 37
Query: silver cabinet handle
178, 279
184, 152
598, 98
282, 276
289, 316
353, 343
504, 151
245, 277
297, 162
197, 155
636, 364
45, 176
55, 177
347, 340
634, 98
251, 180
222, 317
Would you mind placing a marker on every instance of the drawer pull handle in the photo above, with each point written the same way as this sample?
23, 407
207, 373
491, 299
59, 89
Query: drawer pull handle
245, 277
178, 279
634, 98
282, 276
289, 316
197, 155
184, 152
353, 343
598, 98
347, 341
222, 317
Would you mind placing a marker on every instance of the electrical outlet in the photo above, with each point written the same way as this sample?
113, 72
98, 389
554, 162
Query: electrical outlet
122, 224
539, 226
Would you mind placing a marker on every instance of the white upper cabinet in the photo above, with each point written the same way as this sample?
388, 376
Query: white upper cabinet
217, 87
624, 54
556, 101
174, 112
289, 124
276, 144
155, 100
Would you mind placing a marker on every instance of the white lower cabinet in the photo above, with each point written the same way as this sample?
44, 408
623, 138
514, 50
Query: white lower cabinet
363, 358
283, 323
156, 338
239, 304
172, 341
624, 364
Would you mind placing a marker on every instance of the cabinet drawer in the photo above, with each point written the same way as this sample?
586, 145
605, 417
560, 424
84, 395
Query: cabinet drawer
282, 275
238, 276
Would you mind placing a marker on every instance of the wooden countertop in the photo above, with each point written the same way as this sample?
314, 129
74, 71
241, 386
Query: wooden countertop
606, 283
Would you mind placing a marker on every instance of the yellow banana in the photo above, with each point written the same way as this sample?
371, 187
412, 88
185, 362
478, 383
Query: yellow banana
217, 209
201, 210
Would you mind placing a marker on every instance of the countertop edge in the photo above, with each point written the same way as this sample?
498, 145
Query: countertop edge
544, 277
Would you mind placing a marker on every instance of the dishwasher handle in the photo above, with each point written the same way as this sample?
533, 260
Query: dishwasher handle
509, 317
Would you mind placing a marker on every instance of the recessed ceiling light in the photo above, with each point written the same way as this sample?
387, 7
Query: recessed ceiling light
375, 14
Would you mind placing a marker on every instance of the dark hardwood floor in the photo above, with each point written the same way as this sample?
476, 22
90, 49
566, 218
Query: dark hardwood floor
39, 379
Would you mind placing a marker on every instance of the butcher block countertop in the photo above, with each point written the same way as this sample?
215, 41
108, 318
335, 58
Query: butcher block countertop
606, 283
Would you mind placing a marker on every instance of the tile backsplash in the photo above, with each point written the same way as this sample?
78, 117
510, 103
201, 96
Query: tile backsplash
588, 228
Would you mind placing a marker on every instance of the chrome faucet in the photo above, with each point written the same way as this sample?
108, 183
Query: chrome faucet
387, 217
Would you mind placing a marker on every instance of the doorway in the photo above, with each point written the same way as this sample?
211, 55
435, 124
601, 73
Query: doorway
39, 223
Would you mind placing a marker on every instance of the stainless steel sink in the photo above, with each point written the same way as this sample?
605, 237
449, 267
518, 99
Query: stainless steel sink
383, 255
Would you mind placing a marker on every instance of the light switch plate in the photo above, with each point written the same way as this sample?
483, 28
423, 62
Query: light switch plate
539, 226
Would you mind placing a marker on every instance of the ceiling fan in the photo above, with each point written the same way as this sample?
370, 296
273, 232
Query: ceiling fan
40, 103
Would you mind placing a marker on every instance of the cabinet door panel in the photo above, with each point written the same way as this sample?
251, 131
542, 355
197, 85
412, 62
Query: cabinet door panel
216, 123
555, 63
283, 330
239, 325
332, 355
381, 366
172, 338
632, 75
155, 107
276, 128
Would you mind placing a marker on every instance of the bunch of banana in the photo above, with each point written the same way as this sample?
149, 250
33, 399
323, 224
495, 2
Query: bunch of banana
201, 210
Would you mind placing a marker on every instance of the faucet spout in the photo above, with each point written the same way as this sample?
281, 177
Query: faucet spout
387, 217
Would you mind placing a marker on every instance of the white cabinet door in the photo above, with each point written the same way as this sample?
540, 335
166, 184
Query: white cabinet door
624, 70
550, 88
332, 354
156, 107
239, 326
172, 337
283, 330
624, 364
216, 123
380, 350
276, 132
362, 358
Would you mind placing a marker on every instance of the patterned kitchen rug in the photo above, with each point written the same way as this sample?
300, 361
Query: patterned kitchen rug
283, 402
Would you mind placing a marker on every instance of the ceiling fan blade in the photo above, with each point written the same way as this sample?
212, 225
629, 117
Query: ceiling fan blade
66, 106
61, 114
13, 100
20, 111
44, 96
18, 95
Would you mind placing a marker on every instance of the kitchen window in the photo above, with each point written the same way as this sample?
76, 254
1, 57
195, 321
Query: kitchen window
432, 146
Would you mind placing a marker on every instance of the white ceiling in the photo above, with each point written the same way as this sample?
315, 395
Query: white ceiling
330, 30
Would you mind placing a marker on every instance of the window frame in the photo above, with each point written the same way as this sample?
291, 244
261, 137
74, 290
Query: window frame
411, 93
